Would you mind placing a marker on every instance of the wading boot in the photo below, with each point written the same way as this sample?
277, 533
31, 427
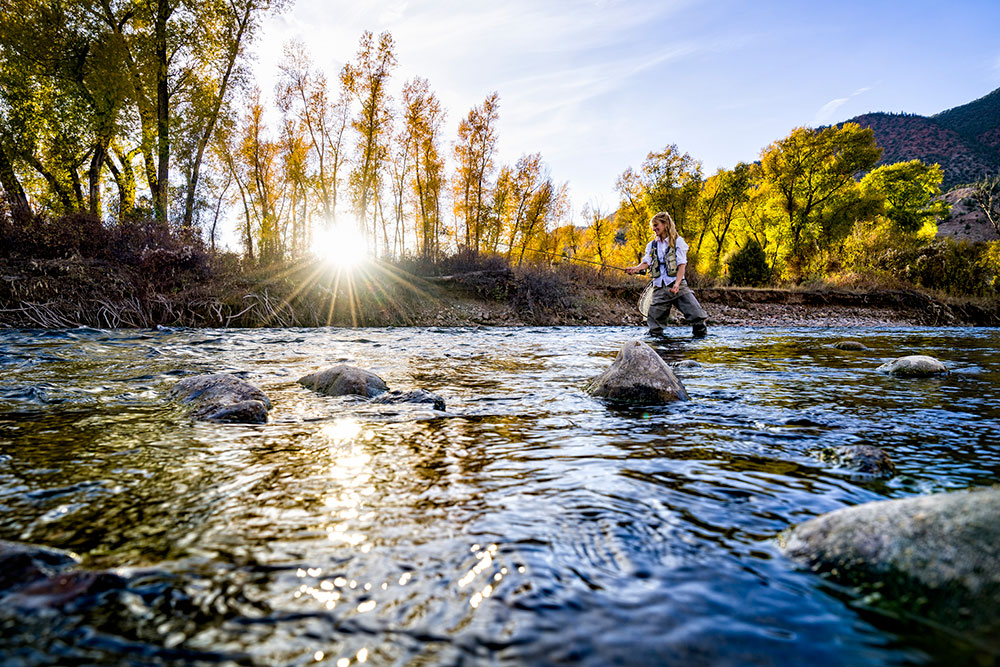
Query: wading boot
699, 330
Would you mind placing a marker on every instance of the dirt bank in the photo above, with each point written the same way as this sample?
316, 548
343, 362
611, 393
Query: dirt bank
69, 293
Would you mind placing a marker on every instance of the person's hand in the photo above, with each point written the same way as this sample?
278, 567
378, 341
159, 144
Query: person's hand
631, 270
675, 288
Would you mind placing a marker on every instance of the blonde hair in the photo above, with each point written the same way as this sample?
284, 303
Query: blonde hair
665, 218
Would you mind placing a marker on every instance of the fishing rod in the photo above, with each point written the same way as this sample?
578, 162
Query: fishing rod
575, 259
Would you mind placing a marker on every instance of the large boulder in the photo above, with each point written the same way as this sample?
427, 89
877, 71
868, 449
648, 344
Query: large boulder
917, 365
638, 375
421, 396
937, 556
222, 397
344, 380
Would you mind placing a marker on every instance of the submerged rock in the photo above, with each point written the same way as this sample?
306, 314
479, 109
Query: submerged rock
917, 365
33, 577
21, 564
687, 363
935, 555
850, 345
638, 375
416, 396
343, 380
861, 458
222, 397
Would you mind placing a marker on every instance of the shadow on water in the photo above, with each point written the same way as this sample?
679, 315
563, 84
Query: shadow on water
527, 523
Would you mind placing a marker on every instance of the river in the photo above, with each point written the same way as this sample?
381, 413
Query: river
526, 524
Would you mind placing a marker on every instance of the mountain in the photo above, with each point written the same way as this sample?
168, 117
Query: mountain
964, 140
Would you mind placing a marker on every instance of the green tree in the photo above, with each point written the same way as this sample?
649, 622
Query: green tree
909, 191
810, 176
672, 182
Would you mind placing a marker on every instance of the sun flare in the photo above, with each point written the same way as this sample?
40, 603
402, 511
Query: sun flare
341, 245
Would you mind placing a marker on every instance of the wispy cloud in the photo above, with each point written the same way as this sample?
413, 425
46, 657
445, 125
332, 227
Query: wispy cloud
827, 111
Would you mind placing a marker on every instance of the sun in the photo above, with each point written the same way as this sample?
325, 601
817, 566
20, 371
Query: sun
341, 245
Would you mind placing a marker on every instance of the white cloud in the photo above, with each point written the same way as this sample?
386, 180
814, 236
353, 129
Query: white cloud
826, 112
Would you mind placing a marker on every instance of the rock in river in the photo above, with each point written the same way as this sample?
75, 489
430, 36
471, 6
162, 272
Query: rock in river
342, 380
396, 396
222, 397
43, 577
861, 458
638, 375
917, 365
936, 556
850, 345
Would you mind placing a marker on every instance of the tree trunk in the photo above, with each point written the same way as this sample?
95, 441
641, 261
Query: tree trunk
210, 126
17, 200
163, 11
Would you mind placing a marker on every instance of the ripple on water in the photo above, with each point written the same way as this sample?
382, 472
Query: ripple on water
529, 523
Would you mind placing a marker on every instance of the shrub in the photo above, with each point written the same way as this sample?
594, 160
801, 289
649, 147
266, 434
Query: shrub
748, 266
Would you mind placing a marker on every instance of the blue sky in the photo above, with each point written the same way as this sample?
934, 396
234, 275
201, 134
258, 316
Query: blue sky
594, 85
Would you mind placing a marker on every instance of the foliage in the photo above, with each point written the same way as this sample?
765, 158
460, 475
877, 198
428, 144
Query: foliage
908, 191
986, 194
810, 176
748, 266
161, 258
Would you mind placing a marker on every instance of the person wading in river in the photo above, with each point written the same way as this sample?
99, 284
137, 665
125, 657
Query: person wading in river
666, 259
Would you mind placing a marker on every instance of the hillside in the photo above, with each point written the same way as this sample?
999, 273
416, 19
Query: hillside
964, 140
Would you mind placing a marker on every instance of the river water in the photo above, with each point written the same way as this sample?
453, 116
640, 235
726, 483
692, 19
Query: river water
527, 524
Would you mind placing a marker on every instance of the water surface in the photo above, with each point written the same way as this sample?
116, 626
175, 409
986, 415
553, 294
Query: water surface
529, 523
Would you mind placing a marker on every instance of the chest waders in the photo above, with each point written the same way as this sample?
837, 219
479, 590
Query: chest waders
669, 260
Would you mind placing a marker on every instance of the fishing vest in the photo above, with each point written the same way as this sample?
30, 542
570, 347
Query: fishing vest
669, 258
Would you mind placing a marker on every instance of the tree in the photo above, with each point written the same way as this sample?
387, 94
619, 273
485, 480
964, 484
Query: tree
909, 191
719, 205
601, 231
366, 80
423, 118
986, 194
303, 91
810, 177
474, 152
61, 96
671, 182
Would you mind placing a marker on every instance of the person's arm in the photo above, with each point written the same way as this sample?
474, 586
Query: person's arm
677, 280
637, 268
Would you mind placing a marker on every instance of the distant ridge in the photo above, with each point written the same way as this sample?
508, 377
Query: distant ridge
964, 140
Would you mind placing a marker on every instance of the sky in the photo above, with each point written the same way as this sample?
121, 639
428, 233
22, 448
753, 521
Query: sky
595, 85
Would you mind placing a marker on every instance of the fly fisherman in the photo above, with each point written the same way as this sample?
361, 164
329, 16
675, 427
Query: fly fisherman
666, 259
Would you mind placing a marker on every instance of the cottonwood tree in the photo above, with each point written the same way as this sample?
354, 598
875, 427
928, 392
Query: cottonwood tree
366, 79
61, 98
601, 230
112, 80
303, 91
718, 208
474, 154
423, 118
908, 193
671, 182
986, 193
810, 176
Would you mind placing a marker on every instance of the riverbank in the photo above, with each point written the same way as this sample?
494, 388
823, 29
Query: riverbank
78, 292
